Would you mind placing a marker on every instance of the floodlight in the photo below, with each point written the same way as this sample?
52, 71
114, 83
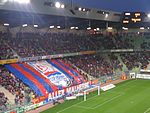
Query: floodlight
35, 25
58, 27
80, 9
24, 25
125, 21
88, 28
148, 15
71, 27
147, 27
110, 28
57, 5
76, 27
84, 9
62, 6
97, 29
142, 28
51, 27
127, 14
124, 28
22, 1
106, 15
6, 24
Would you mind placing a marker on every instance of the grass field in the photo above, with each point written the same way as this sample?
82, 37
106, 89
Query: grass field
131, 96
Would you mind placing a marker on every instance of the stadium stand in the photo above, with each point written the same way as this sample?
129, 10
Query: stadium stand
6, 52
132, 60
101, 55
15, 86
31, 44
95, 65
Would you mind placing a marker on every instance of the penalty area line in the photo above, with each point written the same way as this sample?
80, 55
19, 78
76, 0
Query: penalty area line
107, 101
148, 110
76, 104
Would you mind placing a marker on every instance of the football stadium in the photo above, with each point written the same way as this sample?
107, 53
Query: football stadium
67, 56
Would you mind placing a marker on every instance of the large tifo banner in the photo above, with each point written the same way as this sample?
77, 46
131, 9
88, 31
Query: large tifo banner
51, 73
45, 77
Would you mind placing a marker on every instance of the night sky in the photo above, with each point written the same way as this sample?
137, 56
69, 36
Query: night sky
116, 5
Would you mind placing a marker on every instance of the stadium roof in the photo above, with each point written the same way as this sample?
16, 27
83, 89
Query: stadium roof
45, 14
15, 18
116, 5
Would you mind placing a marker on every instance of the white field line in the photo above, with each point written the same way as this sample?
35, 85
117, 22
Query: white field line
89, 99
84, 107
90, 107
75, 104
147, 110
107, 101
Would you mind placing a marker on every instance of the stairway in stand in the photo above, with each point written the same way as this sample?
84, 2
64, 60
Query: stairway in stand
11, 97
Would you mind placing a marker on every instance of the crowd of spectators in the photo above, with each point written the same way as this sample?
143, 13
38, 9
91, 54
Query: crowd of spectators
15, 86
132, 60
123, 43
145, 45
3, 101
94, 65
36, 44
55, 43
115, 62
27, 45
5, 51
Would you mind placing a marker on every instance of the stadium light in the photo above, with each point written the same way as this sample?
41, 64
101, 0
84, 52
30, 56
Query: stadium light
106, 15
76, 28
141, 28
147, 27
71, 27
89, 28
58, 27
110, 28
22, 1
35, 25
62, 6
84, 9
124, 28
6, 24
24, 25
148, 15
51, 27
97, 29
57, 5
127, 14
79, 8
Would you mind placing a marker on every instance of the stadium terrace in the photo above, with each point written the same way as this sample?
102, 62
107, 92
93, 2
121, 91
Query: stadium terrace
60, 57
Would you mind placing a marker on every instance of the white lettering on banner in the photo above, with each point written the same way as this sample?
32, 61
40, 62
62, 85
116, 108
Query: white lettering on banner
59, 93
55, 94
68, 89
49, 96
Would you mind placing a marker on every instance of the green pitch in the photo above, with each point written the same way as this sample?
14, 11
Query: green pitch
132, 96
